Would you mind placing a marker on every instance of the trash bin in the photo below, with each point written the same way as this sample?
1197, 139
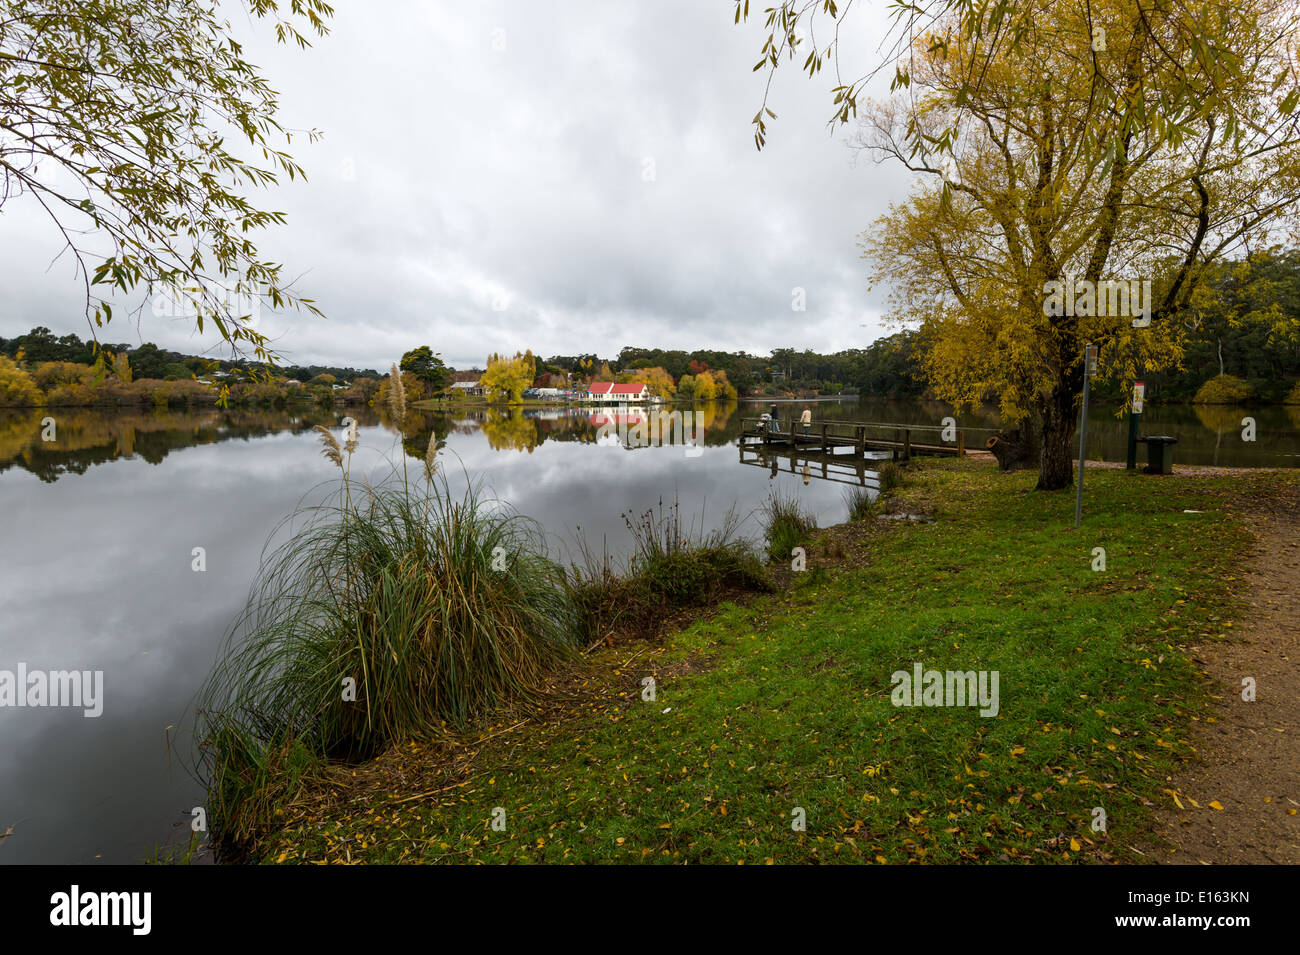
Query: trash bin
1160, 453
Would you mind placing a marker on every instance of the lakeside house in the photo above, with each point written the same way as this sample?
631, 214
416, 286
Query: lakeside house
608, 391
472, 389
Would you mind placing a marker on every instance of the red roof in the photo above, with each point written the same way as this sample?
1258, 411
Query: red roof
609, 388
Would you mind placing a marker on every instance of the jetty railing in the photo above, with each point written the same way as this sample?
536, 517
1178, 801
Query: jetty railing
861, 436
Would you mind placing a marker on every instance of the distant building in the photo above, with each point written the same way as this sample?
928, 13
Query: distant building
608, 391
471, 388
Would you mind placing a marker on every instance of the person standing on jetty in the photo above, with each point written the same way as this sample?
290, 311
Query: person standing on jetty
805, 419
774, 426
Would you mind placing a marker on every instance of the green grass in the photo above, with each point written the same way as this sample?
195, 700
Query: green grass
785, 702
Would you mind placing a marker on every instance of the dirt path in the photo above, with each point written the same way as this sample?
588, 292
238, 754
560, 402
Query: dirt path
1251, 753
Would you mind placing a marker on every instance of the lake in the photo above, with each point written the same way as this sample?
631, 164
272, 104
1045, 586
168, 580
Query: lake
101, 525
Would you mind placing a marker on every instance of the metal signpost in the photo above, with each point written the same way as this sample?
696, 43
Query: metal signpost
1089, 369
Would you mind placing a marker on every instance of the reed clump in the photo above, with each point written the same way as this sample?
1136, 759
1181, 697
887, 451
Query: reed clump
786, 525
672, 566
860, 504
889, 476
400, 611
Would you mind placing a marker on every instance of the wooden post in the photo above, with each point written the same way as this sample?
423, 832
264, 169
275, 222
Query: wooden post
860, 435
794, 434
825, 444
961, 444
907, 445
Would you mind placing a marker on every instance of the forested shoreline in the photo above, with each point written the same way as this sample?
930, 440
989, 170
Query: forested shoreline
1240, 339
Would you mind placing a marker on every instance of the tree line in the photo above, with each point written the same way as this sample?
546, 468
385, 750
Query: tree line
149, 361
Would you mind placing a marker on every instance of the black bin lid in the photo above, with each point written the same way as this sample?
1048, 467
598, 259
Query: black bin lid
1159, 439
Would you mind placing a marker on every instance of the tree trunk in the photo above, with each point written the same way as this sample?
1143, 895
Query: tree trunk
1015, 448
1056, 461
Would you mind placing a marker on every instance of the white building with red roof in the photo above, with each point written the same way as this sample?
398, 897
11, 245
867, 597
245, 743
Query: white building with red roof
608, 391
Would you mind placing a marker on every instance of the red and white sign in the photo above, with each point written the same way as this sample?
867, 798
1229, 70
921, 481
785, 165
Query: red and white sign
1139, 392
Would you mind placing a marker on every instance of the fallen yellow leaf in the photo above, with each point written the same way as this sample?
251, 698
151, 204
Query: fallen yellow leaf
1215, 804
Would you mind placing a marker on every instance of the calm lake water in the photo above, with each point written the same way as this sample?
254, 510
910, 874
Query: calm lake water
100, 526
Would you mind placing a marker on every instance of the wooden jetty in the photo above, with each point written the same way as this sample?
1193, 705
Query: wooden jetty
860, 437
836, 468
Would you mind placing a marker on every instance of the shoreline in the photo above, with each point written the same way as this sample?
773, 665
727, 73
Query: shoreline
864, 578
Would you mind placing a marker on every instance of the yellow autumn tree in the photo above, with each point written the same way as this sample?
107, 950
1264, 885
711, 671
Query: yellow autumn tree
17, 390
657, 380
726, 390
506, 378
706, 388
120, 364
1016, 208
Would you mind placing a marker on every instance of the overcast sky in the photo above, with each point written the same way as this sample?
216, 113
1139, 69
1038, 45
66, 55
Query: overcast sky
588, 166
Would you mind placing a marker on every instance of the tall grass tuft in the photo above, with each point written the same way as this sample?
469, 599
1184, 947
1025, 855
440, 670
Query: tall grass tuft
785, 525
859, 503
672, 565
890, 476
435, 608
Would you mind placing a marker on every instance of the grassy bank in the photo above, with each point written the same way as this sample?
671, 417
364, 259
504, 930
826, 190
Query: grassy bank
403, 611
784, 704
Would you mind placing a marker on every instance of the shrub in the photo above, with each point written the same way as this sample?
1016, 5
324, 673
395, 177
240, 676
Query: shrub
50, 374
1222, 390
263, 393
74, 396
17, 389
181, 391
1293, 397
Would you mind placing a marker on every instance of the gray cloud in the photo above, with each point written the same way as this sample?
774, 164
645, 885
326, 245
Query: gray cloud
453, 172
